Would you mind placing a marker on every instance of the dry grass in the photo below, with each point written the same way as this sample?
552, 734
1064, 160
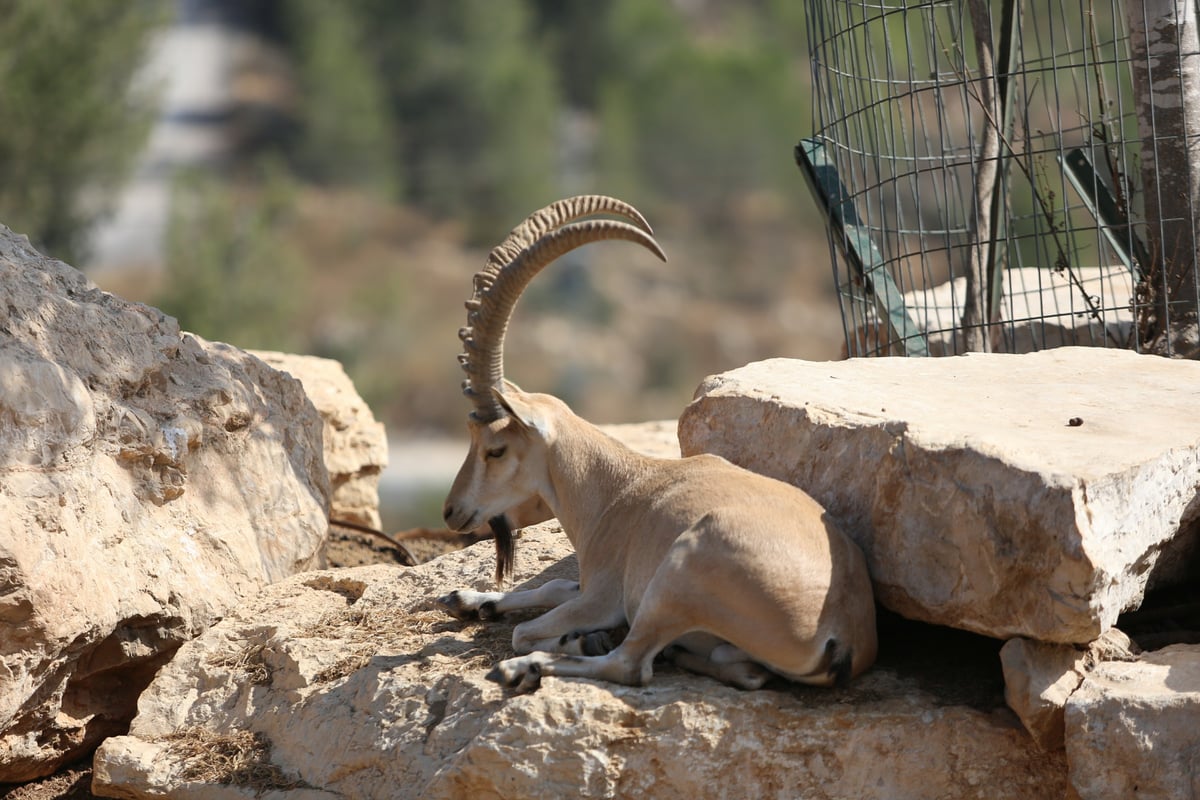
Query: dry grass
363, 633
366, 633
343, 667
356, 624
238, 758
248, 661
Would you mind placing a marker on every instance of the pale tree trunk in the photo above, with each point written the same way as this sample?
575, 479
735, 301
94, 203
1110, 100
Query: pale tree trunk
1164, 48
975, 322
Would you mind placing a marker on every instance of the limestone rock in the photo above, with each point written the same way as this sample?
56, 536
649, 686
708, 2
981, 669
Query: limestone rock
1039, 678
149, 480
355, 444
354, 687
1132, 728
1008, 495
658, 438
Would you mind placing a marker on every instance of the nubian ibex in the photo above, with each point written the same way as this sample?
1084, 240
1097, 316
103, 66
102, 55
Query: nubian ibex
732, 574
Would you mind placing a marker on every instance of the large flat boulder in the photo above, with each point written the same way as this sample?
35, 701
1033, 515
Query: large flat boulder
149, 481
345, 683
1010, 495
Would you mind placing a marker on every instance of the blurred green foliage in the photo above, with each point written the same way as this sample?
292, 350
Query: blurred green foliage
471, 97
474, 113
723, 113
468, 100
71, 126
233, 267
348, 130
408, 135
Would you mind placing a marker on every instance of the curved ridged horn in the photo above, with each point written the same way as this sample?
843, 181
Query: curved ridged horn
555, 215
530, 247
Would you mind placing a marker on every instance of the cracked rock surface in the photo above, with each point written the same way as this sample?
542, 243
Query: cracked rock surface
353, 686
149, 481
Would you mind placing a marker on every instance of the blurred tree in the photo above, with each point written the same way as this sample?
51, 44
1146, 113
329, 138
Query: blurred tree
71, 126
575, 36
476, 106
473, 97
347, 131
462, 110
453, 107
601, 51
707, 119
235, 271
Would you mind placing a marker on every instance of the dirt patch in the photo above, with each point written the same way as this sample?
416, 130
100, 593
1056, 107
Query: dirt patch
73, 782
346, 548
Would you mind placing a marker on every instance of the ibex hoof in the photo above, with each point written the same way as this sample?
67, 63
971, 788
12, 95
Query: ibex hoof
519, 674
487, 611
468, 606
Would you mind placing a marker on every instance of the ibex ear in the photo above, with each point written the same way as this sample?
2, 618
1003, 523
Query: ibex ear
515, 402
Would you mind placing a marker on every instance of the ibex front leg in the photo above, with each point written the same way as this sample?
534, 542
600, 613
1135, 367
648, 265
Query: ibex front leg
467, 604
631, 663
577, 623
579, 626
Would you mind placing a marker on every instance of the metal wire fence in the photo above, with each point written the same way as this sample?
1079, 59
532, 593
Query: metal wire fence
984, 174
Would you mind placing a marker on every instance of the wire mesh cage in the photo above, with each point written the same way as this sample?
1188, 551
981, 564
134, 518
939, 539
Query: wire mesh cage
1008, 176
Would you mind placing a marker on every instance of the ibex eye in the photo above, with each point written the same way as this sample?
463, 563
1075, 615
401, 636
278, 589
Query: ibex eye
496, 452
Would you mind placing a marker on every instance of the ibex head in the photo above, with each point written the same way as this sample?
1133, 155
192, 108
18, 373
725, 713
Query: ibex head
508, 428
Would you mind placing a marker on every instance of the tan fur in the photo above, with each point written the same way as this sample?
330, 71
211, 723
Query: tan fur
736, 570
737, 574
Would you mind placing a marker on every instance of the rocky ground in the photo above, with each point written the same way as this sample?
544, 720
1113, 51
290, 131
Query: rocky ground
1172, 616
906, 648
344, 549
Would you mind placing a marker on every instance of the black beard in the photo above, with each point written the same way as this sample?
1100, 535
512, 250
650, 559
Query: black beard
505, 547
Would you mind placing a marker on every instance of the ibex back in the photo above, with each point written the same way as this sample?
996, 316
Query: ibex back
732, 574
